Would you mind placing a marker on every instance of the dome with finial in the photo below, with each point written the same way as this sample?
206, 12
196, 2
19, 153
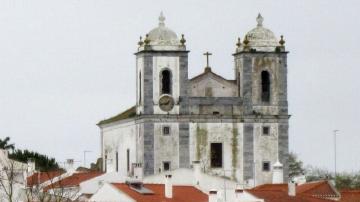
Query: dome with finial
261, 38
163, 36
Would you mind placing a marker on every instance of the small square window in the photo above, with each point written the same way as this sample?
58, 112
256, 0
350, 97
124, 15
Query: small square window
166, 130
266, 130
166, 165
266, 166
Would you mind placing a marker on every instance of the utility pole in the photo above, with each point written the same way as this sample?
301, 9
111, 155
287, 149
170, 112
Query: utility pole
335, 133
85, 151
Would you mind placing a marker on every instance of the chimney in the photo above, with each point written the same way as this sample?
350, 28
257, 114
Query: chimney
168, 187
213, 195
197, 172
138, 171
70, 165
292, 188
278, 173
30, 166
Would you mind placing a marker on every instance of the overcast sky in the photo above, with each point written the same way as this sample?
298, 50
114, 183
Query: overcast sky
67, 64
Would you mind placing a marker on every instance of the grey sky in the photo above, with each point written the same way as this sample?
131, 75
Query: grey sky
67, 64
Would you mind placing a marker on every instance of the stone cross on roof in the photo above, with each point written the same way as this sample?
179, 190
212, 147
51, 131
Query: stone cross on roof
207, 54
259, 20
162, 19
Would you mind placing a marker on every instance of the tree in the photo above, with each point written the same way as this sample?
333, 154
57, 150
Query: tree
11, 175
4, 144
295, 166
42, 162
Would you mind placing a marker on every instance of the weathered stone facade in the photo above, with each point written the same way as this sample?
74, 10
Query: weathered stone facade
235, 128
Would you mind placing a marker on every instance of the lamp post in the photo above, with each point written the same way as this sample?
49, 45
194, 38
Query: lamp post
335, 133
85, 151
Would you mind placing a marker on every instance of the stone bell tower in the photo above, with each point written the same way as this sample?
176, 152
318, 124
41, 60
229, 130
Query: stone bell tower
162, 83
162, 71
261, 73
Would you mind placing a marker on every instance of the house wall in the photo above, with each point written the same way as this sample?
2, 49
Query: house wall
109, 193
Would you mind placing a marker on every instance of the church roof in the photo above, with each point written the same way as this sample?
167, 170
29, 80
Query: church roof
209, 72
129, 113
162, 35
261, 38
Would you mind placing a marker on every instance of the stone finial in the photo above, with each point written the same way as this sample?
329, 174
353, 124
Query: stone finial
246, 41
147, 40
182, 40
259, 20
282, 41
161, 19
238, 44
140, 43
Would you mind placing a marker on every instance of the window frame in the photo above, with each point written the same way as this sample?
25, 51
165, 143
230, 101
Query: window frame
262, 87
163, 130
163, 165
222, 155
263, 130
263, 166
161, 91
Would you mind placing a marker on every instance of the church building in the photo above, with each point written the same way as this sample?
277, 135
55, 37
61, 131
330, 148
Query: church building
235, 128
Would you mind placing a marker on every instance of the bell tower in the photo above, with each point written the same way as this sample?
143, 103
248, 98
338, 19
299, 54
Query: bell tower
162, 71
162, 84
261, 73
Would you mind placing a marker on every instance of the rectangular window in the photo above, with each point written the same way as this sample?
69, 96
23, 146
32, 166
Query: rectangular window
216, 113
166, 166
266, 130
266, 166
216, 155
166, 130
128, 159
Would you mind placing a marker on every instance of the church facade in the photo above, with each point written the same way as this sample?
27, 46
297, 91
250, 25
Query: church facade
234, 128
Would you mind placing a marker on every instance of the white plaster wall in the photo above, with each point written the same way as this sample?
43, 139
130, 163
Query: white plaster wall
218, 133
93, 185
265, 149
118, 138
219, 88
171, 63
109, 193
166, 147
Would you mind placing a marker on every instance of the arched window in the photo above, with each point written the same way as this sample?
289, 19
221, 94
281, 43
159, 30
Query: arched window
166, 82
265, 86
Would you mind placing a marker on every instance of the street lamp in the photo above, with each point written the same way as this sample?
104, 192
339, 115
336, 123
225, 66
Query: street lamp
335, 133
85, 151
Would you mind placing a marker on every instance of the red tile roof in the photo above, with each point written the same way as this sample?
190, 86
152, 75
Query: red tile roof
350, 196
73, 180
41, 177
281, 196
314, 191
180, 193
320, 189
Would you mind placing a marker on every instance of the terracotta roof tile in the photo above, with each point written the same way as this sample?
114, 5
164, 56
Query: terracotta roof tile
41, 177
350, 196
180, 193
73, 180
281, 196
